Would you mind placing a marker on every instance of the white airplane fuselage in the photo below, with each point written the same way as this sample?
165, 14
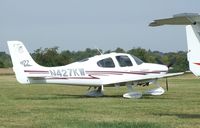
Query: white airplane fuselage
95, 71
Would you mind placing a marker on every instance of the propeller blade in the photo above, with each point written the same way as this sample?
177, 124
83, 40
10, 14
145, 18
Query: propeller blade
172, 62
167, 88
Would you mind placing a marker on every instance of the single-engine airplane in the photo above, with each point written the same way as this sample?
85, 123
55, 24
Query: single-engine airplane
113, 69
192, 22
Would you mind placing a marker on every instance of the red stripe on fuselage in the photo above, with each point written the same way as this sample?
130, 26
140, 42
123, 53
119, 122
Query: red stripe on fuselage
36, 71
66, 78
197, 63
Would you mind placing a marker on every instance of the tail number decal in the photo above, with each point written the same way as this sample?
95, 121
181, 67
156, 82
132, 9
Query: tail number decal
67, 72
25, 63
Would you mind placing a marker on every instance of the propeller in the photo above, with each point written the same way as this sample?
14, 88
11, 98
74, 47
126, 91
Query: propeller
171, 63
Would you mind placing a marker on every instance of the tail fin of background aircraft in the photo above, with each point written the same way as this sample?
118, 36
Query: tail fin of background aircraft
193, 41
21, 60
192, 20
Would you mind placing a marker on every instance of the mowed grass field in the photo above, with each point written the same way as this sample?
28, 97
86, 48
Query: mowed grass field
60, 106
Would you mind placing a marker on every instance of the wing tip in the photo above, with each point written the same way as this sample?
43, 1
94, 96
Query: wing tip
154, 24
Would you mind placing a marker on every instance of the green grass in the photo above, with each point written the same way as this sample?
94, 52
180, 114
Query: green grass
66, 106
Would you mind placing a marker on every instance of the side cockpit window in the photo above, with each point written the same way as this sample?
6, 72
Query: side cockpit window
124, 61
106, 63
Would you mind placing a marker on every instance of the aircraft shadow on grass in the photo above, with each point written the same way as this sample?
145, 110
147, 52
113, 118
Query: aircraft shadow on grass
77, 96
63, 96
184, 116
50, 97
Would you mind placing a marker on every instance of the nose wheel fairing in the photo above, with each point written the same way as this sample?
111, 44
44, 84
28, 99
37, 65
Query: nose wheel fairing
132, 95
155, 92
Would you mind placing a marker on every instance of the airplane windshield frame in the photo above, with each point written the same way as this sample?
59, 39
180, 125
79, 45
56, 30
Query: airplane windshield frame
137, 60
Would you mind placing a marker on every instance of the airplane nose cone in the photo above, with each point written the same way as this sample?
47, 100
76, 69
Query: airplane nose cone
163, 69
159, 68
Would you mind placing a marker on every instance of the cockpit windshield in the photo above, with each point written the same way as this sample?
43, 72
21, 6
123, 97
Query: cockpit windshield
137, 60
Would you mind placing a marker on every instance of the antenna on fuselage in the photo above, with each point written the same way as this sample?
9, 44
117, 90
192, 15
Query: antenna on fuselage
100, 51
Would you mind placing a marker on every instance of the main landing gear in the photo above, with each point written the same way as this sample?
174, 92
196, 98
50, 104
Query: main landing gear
131, 93
95, 92
98, 91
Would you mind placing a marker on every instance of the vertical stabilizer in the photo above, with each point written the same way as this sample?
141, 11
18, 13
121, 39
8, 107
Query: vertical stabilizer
193, 42
21, 60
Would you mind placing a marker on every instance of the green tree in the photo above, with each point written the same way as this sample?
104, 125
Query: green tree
119, 50
5, 60
1, 64
140, 53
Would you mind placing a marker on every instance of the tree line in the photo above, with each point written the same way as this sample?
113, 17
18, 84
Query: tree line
54, 57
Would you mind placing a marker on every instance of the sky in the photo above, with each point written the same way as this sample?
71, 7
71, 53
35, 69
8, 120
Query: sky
105, 24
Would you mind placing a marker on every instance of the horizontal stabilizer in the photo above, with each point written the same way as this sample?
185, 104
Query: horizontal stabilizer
178, 19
